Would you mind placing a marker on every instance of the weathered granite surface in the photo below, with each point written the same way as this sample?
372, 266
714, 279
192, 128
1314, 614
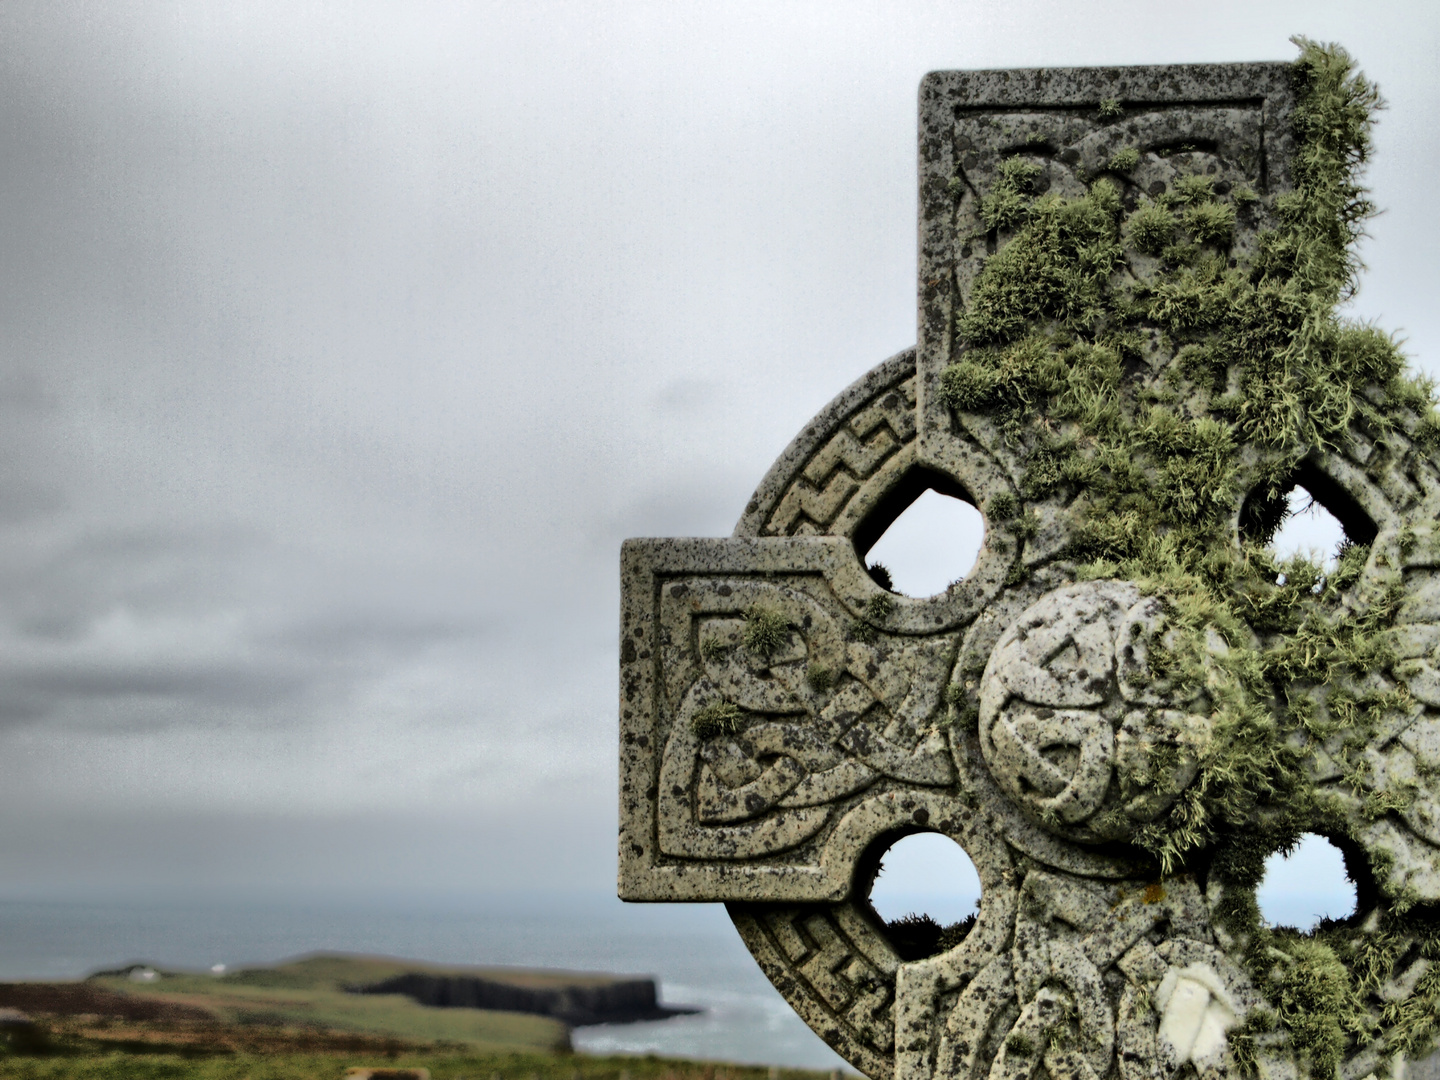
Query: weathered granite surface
784, 718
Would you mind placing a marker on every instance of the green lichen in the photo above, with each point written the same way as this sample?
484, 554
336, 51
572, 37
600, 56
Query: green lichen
1210, 222
713, 649
1191, 191
1313, 1000
1177, 255
717, 719
819, 678
969, 386
1243, 1037
1002, 507
1150, 228
878, 608
1124, 160
1152, 400
765, 630
1056, 269
1427, 431
1007, 205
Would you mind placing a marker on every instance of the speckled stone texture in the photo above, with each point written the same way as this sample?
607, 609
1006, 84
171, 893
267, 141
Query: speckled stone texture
783, 718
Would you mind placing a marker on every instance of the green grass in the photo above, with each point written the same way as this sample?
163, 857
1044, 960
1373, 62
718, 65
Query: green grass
378, 1014
443, 1065
310, 992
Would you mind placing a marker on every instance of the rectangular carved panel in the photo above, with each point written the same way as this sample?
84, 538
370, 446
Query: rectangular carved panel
768, 731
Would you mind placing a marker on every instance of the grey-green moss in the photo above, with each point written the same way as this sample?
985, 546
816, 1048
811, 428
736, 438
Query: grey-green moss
878, 608
861, 631
1020, 1045
1154, 448
1002, 507
880, 574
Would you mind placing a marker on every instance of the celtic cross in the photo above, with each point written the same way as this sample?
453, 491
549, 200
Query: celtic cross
1128, 356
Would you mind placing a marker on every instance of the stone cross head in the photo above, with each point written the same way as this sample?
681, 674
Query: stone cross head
1128, 357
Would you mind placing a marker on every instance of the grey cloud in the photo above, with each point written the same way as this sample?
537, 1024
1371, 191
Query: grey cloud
87, 690
362, 633
341, 345
687, 395
697, 503
23, 499
23, 390
130, 617
260, 853
16, 708
153, 567
217, 685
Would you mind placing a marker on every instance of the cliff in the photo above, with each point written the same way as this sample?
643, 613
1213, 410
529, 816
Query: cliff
619, 1001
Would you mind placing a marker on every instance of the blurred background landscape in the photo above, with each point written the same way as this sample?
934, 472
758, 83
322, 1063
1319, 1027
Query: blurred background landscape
342, 346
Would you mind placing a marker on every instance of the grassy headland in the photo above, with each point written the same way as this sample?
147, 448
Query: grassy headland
296, 1020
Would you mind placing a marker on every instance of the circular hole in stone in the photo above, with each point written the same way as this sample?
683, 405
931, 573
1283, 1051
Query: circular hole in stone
1306, 886
930, 546
1308, 529
1309, 514
926, 893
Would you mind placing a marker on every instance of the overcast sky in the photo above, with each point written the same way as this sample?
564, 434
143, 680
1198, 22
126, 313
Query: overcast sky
343, 344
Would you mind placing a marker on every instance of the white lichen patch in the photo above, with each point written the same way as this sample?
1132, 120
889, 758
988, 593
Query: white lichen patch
1195, 1013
